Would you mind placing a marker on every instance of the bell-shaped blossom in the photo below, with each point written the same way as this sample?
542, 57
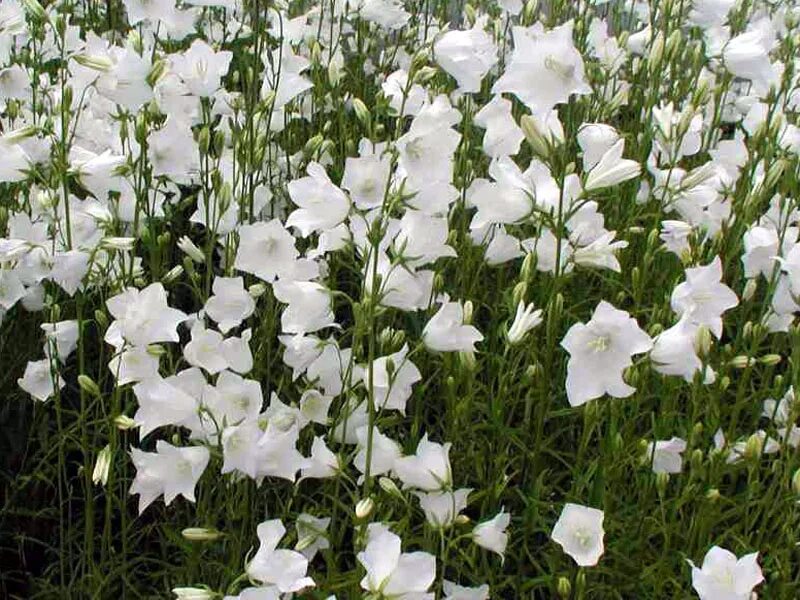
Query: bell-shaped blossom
675, 352
230, 304
442, 508
545, 68
205, 349
383, 456
600, 351
666, 456
453, 591
579, 531
201, 68
724, 577
266, 250
422, 238
167, 151
503, 136
322, 463
747, 56
61, 339
143, 317
446, 331
170, 470
233, 399
367, 177
703, 298
600, 253
314, 406
309, 306
391, 572
466, 55
321, 205
311, 534
760, 248
133, 364
492, 534
611, 169
163, 403
285, 569
41, 379
392, 385
595, 139
428, 469
283, 76
426, 149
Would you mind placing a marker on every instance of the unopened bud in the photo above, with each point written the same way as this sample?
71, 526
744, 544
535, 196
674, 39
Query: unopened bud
102, 466
364, 508
749, 289
390, 487
753, 447
88, 385
124, 422
564, 588
741, 362
257, 290
201, 534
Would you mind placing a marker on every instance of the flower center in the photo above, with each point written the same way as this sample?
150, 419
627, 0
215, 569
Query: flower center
600, 343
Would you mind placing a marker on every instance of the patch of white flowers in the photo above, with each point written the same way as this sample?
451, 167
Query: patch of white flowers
278, 222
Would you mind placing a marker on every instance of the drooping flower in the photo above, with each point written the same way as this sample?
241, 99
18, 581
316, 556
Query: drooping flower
285, 569
665, 455
428, 469
492, 534
446, 332
391, 572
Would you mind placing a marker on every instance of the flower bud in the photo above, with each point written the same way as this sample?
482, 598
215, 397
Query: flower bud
741, 361
703, 341
362, 112
390, 487
193, 593
468, 309
102, 465
173, 274
770, 360
156, 350
796, 482
200, 534
124, 422
753, 447
749, 289
88, 385
364, 508
564, 588
712, 495
696, 459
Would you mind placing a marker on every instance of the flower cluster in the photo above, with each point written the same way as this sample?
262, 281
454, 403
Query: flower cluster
407, 279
